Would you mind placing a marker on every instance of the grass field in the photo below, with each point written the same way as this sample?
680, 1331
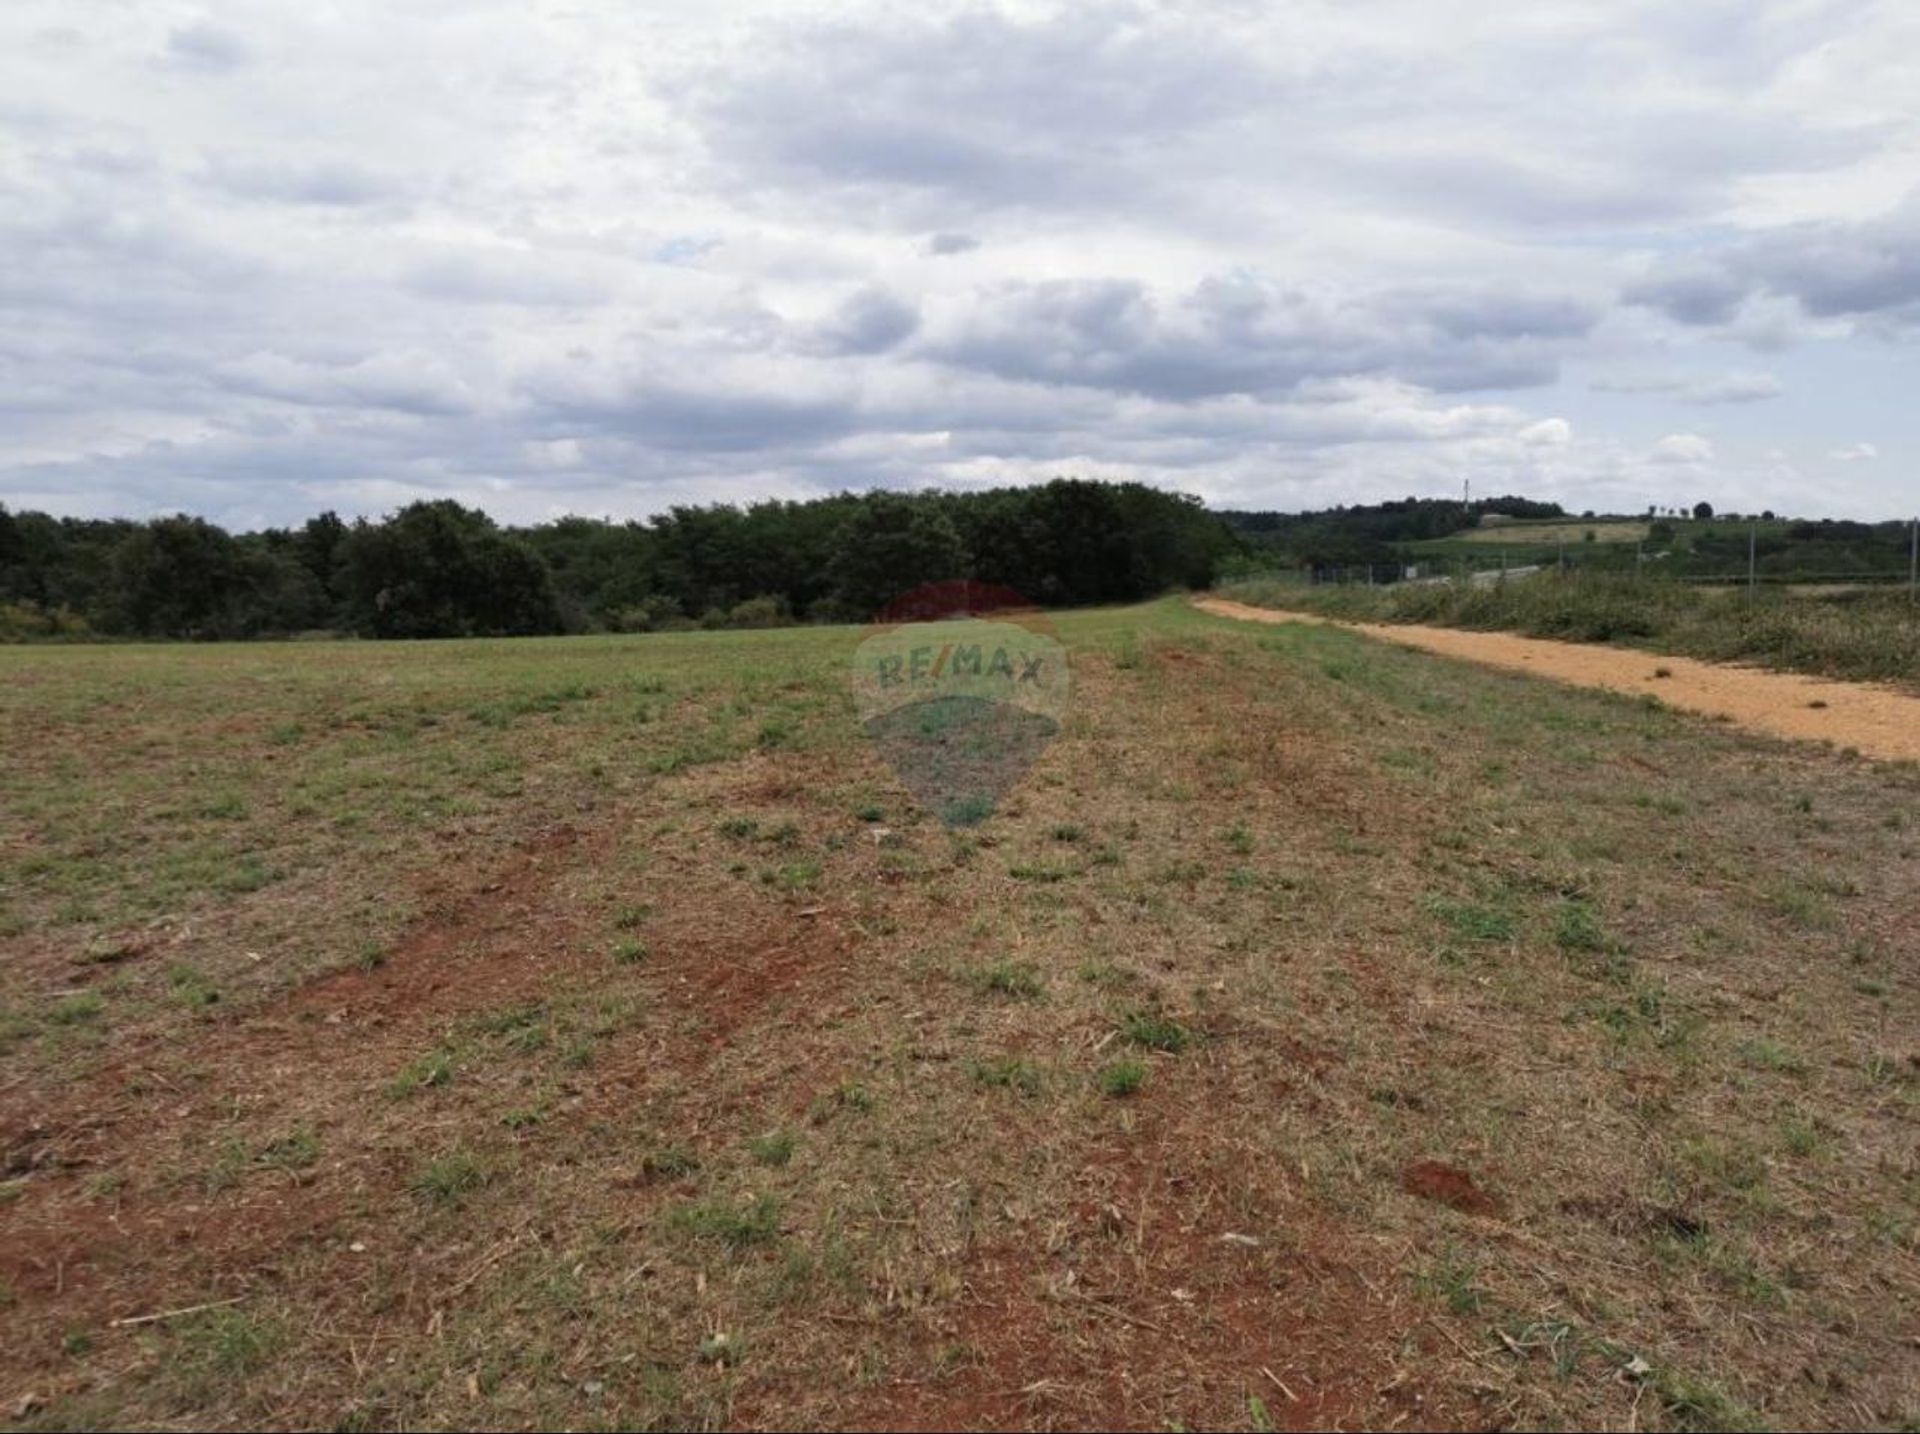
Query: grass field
1538, 534
591, 1032
1865, 634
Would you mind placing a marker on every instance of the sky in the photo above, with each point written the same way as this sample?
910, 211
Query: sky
601, 257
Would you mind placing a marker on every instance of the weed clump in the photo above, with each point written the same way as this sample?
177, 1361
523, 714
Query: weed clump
1155, 1031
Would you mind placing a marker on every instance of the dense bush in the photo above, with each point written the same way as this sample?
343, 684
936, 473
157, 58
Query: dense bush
28, 621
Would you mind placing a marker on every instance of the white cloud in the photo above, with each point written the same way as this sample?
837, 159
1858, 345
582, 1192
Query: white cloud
259, 260
1548, 433
1854, 453
1712, 389
1683, 448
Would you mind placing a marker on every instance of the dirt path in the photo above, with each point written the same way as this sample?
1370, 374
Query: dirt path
1877, 721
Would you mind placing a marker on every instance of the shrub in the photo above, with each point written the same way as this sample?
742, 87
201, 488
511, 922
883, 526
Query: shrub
760, 612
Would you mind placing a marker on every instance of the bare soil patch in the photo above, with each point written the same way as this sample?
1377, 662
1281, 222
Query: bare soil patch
1448, 1184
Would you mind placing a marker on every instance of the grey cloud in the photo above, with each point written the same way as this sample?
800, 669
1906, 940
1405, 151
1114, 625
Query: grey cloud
1841, 269
1692, 294
327, 183
1869, 268
1473, 184
940, 244
1486, 312
1715, 389
120, 270
206, 47
1735, 388
869, 322
685, 416
1117, 106
503, 276
1239, 335
724, 422
413, 383
979, 107
116, 164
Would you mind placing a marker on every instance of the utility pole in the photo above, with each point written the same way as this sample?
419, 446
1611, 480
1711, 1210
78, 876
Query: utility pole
1753, 551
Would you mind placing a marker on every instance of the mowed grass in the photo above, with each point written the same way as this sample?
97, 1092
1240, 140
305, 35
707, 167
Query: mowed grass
240, 818
593, 1032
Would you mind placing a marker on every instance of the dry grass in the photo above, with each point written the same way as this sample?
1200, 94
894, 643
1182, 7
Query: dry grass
1573, 531
1505, 1054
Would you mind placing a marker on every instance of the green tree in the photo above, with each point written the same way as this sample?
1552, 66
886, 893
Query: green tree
180, 577
440, 570
317, 545
11, 547
890, 545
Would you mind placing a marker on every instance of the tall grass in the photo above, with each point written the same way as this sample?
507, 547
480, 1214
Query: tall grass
1868, 635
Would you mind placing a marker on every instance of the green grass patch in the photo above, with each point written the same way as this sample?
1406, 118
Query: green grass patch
1007, 1072
730, 1223
448, 1179
774, 1148
1156, 1031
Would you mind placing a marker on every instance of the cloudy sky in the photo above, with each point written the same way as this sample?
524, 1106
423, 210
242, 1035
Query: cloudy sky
602, 257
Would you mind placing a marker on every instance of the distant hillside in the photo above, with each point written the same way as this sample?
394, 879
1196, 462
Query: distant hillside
1440, 534
1368, 533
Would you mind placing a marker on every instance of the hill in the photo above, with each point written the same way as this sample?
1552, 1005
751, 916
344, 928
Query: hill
1443, 537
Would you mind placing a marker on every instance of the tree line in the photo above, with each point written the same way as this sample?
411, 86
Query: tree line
439, 569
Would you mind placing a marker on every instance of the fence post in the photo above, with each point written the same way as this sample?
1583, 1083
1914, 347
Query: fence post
1753, 550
